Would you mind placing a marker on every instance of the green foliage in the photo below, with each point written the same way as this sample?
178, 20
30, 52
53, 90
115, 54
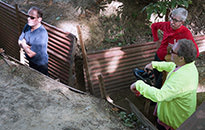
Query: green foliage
111, 40
128, 119
120, 31
115, 33
161, 7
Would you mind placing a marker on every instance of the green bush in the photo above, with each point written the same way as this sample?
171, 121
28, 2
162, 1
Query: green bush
129, 120
163, 7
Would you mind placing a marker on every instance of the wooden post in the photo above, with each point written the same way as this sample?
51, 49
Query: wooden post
71, 78
102, 87
18, 19
85, 60
21, 52
147, 106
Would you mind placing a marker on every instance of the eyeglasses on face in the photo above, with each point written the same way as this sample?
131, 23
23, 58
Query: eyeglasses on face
172, 52
31, 17
174, 20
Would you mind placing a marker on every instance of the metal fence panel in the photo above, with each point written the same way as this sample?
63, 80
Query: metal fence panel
60, 45
116, 64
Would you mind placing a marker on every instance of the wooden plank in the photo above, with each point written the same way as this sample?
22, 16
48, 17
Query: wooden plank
85, 60
104, 93
18, 19
140, 116
102, 87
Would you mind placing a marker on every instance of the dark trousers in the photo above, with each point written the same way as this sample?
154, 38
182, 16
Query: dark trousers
160, 127
158, 75
41, 68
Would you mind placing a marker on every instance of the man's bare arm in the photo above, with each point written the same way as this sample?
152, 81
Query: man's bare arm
26, 48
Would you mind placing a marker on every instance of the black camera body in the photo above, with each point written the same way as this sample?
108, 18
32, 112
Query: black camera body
147, 76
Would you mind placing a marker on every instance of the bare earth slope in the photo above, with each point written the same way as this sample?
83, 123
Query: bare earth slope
32, 101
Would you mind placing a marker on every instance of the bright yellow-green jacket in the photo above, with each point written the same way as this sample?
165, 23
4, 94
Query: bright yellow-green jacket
177, 98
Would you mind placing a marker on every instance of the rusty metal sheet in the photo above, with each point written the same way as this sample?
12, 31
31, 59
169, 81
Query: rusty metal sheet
116, 64
8, 31
200, 40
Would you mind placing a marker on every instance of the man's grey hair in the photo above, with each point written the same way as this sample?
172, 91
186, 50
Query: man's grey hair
182, 13
187, 49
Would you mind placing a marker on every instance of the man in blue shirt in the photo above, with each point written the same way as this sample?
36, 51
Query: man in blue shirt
34, 41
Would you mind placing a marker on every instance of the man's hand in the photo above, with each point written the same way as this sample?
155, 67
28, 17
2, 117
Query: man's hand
26, 48
148, 66
30, 53
1, 50
158, 43
169, 47
22, 43
133, 89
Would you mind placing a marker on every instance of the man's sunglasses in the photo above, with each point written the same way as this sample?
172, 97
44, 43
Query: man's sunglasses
31, 17
171, 51
174, 20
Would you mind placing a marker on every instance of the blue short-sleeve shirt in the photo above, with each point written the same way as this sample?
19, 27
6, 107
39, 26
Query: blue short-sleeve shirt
38, 40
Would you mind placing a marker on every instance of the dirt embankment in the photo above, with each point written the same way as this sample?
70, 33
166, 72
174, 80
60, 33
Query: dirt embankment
32, 101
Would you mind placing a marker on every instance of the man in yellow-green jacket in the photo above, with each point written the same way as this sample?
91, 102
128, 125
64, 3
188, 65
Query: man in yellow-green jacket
176, 100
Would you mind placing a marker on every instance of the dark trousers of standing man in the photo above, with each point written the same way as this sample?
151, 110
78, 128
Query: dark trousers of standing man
41, 68
157, 75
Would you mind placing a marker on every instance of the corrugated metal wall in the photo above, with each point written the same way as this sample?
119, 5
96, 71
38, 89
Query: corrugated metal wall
200, 40
60, 45
116, 64
9, 30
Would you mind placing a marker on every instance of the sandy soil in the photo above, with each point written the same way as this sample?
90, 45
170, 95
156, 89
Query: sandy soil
32, 101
